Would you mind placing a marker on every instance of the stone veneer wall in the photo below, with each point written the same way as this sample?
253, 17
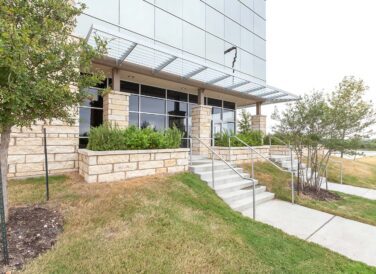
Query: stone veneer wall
243, 155
201, 128
111, 166
26, 151
258, 122
116, 108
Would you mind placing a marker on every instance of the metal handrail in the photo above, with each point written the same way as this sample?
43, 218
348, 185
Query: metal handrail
275, 165
229, 165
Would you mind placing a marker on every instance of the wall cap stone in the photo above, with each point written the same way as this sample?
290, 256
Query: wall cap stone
119, 152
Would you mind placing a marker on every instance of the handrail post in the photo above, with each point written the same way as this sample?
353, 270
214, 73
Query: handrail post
212, 169
292, 177
341, 172
190, 151
254, 188
326, 177
229, 147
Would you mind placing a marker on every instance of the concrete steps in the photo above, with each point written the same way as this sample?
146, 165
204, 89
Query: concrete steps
236, 191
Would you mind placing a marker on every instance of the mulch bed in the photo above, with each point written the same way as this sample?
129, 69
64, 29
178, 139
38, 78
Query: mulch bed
322, 195
31, 231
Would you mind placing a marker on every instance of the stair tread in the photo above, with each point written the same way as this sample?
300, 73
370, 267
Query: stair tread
234, 184
240, 192
247, 200
209, 172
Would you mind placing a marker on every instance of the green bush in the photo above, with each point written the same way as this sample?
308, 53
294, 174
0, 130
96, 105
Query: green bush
251, 138
107, 137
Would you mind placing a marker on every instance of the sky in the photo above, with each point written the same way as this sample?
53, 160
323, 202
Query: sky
313, 44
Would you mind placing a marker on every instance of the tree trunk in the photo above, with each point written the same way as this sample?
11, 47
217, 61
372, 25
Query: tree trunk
4, 145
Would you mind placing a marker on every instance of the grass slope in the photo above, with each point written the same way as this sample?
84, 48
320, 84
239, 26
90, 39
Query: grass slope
165, 225
351, 207
361, 172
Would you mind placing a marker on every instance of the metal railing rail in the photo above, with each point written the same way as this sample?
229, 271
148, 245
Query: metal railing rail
267, 159
228, 164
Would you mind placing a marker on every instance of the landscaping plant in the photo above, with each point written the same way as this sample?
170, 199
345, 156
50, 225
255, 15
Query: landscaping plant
107, 138
316, 126
40, 61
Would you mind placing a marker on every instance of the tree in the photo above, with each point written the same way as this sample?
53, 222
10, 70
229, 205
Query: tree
351, 114
39, 62
305, 125
245, 123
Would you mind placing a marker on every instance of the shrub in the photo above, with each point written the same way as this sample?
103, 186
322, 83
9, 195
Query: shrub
107, 137
251, 138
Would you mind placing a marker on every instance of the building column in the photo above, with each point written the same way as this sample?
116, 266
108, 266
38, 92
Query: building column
116, 109
258, 120
201, 125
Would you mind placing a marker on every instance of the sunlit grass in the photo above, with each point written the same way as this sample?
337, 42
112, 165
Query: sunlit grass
165, 224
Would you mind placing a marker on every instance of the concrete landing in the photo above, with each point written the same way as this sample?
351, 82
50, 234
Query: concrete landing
362, 192
353, 239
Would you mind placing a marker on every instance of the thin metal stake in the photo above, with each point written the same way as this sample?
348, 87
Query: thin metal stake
190, 150
326, 177
254, 188
46, 164
3, 224
213, 169
341, 172
229, 147
292, 178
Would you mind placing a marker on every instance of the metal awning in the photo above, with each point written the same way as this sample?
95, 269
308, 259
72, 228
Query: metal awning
139, 50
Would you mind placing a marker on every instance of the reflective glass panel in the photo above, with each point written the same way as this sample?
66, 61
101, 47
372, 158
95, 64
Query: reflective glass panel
260, 26
217, 4
157, 122
194, 12
247, 18
228, 115
94, 99
232, 32
152, 105
133, 119
133, 102
215, 48
214, 102
177, 108
229, 127
89, 118
216, 114
138, 16
232, 9
179, 122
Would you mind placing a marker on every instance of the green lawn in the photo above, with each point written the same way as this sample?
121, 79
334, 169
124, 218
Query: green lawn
351, 207
172, 224
360, 172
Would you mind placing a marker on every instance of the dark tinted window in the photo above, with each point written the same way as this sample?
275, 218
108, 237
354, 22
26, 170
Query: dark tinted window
153, 91
177, 108
89, 118
214, 102
129, 87
175, 95
229, 105
193, 99
153, 105
93, 98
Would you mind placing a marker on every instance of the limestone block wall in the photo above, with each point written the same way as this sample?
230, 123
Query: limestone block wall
111, 166
258, 122
26, 151
116, 108
242, 155
201, 128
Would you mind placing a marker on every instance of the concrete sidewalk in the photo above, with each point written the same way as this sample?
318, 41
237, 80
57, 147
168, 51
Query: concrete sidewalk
352, 190
353, 239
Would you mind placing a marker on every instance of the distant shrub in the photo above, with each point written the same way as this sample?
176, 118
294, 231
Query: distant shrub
107, 137
251, 138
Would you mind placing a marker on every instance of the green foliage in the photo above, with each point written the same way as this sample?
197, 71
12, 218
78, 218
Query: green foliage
251, 138
108, 138
245, 123
39, 61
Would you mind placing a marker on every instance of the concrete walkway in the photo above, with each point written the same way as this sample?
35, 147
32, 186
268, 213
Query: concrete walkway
353, 239
352, 190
